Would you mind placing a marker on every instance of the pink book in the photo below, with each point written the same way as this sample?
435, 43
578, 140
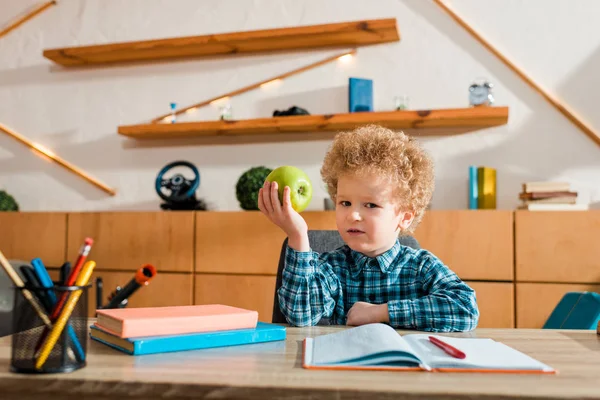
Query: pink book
175, 320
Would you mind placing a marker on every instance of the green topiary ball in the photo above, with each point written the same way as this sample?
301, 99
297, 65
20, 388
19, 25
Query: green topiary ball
7, 202
246, 189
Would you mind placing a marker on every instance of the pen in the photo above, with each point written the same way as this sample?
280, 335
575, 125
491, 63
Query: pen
141, 278
450, 350
64, 272
44, 280
12, 274
50, 341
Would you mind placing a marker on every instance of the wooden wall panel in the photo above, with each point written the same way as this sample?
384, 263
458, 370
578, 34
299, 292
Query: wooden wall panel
166, 289
127, 240
253, 292
535, 301
27, 235
496, 304
245, 242
558, 246
476, 244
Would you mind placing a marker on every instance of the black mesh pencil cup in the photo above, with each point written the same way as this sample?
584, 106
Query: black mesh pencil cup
37, 345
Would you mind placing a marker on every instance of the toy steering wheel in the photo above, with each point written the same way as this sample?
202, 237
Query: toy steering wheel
181, 189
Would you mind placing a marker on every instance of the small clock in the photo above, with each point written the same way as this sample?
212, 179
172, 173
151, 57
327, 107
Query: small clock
480, 94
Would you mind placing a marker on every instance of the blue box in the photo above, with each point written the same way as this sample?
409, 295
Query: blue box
360, 95
576, 310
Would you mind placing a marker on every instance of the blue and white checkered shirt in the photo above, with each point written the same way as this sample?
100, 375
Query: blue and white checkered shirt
421, 292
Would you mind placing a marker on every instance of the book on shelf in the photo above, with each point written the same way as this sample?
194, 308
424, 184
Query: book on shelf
263, 332
549, 186
360, 95
546, 195
554, 207
379, 347
154, 321
486, 188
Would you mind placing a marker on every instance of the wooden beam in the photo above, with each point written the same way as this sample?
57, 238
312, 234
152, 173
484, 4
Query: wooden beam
562, 108
53, 157
26, 17
257, 84
344, 34
427, 122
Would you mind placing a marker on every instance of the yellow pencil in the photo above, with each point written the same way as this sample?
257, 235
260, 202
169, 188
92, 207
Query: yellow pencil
12, 274
52, 338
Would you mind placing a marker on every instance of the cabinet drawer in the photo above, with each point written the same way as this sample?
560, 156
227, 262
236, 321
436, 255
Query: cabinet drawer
535, 301
27, 235
476, 244
557, 246
245, 242
127, 240
252, 292
165, 289
496, 304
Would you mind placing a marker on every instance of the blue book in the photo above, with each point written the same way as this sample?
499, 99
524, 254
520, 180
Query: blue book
473, 188
360, 95
264, 332
576, 310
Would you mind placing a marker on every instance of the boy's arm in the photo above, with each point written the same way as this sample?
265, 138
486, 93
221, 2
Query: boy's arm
310, 289
449, 304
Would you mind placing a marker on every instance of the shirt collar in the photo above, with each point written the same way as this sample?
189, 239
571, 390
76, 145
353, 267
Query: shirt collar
385, 261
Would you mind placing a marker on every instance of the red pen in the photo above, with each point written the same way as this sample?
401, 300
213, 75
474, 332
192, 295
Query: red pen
451, 350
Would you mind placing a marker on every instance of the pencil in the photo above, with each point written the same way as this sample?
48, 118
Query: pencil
52, 338
12, 274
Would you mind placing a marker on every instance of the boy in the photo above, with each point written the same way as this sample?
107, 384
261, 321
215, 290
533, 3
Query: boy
381, 182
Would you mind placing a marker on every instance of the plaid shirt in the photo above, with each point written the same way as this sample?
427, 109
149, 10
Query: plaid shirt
421, 292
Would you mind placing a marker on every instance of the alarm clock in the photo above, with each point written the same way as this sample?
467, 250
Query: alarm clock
480, 94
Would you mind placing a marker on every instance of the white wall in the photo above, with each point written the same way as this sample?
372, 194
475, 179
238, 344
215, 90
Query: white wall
75, 112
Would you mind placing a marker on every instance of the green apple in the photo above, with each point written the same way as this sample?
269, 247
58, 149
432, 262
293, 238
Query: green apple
300, 186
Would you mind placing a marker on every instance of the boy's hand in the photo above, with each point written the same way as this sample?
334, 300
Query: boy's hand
284, 216
362, 313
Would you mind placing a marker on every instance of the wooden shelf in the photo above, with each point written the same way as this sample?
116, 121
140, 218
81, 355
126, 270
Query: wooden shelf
423, 122
345, 34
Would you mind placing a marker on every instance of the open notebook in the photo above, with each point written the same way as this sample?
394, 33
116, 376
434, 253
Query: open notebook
380, 347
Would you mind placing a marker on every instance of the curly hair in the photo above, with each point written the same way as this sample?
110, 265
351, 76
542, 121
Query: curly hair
375, 149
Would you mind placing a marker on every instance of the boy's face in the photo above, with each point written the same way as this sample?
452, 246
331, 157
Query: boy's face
367, 217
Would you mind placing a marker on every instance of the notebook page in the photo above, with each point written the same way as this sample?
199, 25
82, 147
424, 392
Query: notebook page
355, 343
481, 353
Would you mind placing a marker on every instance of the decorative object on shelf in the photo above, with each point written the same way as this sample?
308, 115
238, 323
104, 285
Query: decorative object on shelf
225, 112
27, 17
225, 96
7, 202
53, 157
301, 189
442, 122
248, 185
360, 95
181, 192
564, 109
344, 34
401, 102
480, 93
173, 115
294, 110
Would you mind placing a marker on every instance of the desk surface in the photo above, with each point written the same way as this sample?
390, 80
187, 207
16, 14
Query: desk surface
273, 370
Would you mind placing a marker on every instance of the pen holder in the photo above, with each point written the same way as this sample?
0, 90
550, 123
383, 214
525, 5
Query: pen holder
33, 339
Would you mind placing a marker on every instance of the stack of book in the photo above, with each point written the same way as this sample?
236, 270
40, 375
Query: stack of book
482, 188
151, 330
549, 196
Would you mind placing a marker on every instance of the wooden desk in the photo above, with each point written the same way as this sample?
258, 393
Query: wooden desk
273, 370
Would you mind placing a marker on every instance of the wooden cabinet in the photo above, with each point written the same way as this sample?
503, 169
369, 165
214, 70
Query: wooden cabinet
127, 240
476, 244
255, 292
558, 246
496, 304
244, 242
27, 235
